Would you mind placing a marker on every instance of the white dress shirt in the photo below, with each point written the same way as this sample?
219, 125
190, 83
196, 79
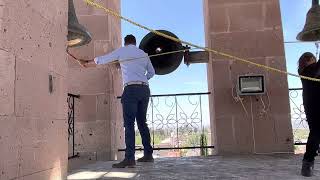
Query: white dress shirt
133, 70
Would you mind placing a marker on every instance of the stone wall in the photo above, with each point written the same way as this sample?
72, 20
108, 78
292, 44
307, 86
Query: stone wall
249, 29
98, 114
33, 123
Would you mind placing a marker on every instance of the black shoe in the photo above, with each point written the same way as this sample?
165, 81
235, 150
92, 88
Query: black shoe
125, 163
146, 159
307, 168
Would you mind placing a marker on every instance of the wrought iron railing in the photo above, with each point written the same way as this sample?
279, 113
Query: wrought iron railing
176, 122
298, 116
71, 126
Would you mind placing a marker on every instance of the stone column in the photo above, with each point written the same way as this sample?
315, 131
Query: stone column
33, 123
98, 128
249, 29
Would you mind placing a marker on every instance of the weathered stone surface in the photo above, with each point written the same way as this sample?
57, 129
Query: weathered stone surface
269, 167
96, 136
248, 29
7, 76
33, 136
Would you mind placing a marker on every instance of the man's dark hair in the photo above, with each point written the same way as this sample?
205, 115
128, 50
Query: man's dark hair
129, 39
303, 61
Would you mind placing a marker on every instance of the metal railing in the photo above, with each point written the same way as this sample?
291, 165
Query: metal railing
298, 116
71, 126
179, 115
176, 122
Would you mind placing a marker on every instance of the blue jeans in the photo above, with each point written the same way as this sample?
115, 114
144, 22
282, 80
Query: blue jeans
135, 99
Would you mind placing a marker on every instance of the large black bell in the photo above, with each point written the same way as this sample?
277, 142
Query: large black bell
311, 30
77, 34
154, 44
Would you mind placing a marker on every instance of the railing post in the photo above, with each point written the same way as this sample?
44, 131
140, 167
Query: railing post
152, 122
71, 121
176, 102
73, 142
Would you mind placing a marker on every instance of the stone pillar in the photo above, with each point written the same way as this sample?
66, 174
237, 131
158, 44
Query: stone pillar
249, 29
97, 112
33, 123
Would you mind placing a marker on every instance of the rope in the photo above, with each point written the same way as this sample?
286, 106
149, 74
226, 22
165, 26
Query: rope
77, 59
131, 59
117, 15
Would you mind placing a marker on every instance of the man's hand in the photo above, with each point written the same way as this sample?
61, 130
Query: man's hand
87, 64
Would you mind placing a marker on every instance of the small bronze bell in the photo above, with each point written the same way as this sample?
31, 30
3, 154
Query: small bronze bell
311, 30
77, 34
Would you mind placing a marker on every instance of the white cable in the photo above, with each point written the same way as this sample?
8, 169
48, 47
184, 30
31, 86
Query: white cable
237, 99
253, 130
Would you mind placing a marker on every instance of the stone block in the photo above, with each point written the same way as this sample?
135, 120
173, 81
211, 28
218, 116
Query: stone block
103, 107
35, 100
115, 33
48, 148
102, 47
114, 5
245, 17
224, 104
241, 68
275, 79
248, 44
277, 87
225, 136
219, 19
9, 166
9, 169
58, 62
99, 30
86, 109
264, 134
278, 98
87, 81
284, 134
243, 134
221, 74
92, 137
83, 8
7, 76
27, 132
272, 14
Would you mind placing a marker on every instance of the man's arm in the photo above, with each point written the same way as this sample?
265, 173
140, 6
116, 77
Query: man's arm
113, 56
150, 69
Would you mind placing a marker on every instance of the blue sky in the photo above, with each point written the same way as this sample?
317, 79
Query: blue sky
186, 21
